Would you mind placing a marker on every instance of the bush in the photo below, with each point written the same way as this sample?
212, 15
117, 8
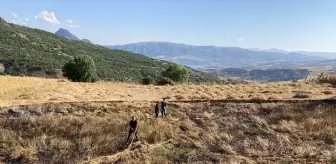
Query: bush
176, 73
330, 79
148, 81
16, 67
80, 69
165, 81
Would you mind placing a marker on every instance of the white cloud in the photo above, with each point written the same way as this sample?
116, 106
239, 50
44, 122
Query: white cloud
48, 17
69, 21
19, 21
241, 39
15, 15
22, 22
72, 23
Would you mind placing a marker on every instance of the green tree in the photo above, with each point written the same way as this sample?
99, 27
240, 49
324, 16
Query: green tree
80, 69
165, 81
147, 80
16, 67
176, 73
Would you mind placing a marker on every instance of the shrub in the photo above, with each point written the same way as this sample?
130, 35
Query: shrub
330, 79
148, 81
176, 73
16, 67
80, 69
165, 81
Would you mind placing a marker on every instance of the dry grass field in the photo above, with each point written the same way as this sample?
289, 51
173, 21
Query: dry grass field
28, 90
56, 121
191, 133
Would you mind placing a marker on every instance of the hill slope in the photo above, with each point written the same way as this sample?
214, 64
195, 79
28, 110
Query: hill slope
24, 51
205, 56
86, 40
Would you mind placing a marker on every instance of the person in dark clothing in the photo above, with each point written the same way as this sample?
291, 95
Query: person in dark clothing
133, 128
163, 107
157, 109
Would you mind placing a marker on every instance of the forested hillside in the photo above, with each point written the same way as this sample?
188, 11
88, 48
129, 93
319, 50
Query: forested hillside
24, 51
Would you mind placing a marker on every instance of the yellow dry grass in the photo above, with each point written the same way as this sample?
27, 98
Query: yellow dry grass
27, 90
95, 132
192, 133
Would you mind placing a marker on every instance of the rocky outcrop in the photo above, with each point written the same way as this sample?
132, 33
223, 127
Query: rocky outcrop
2, 20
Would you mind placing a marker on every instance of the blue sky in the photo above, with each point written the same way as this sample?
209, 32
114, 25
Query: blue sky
284, 24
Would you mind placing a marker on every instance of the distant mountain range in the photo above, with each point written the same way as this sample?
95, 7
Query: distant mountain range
67, 34
328, 55
212, 56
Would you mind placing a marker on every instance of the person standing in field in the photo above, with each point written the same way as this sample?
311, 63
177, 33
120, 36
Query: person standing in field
157, 110
163, 107
133, 129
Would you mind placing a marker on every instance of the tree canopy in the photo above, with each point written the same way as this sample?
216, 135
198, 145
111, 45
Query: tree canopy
177, 73
80, 69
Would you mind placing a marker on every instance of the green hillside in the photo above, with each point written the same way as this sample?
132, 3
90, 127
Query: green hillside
24, 50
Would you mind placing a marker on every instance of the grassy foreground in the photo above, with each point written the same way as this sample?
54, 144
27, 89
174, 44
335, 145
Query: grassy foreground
195, 132
55, 121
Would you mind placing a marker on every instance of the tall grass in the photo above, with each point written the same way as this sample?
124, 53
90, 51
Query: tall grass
196, 132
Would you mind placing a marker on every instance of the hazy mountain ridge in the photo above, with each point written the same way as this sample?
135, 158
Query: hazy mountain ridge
208, 56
